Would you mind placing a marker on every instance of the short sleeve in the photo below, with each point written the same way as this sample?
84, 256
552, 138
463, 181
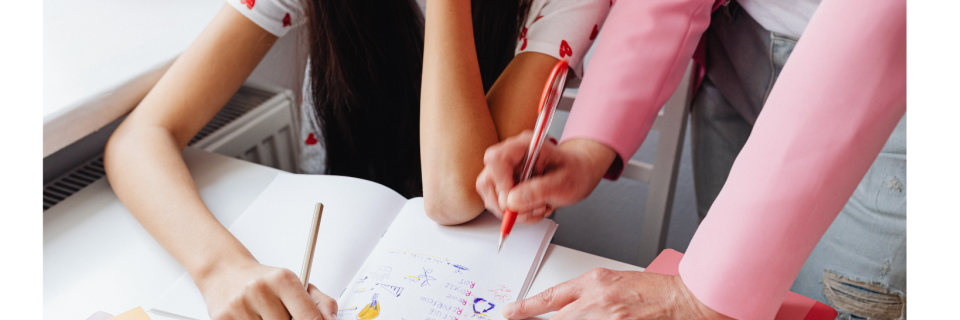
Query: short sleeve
564, 29
275, 16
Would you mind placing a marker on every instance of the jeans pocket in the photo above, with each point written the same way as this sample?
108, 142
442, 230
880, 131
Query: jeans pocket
781, 47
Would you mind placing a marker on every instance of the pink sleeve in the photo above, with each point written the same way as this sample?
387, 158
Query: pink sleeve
834, 105
639, 62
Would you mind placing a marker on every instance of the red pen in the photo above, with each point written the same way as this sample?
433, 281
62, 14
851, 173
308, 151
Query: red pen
548, 106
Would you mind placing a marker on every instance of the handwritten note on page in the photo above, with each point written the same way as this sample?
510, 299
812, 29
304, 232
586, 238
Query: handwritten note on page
379, 254
425, 271
274, 228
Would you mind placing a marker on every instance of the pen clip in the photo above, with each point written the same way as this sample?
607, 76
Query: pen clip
552, 92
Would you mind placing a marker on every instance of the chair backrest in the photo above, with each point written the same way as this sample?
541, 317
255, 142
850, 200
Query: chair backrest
671, 122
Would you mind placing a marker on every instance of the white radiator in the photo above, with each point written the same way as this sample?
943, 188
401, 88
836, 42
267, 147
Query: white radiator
258, 124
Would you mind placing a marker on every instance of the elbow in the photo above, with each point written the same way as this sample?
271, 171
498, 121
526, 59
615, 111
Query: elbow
120, 150
132, 140
121, 141
115, 147
453, 207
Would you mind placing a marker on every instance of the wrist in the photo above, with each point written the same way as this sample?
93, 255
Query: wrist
697, 309
598, 156
220, 265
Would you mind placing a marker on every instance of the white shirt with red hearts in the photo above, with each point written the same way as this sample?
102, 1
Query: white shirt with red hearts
563, 29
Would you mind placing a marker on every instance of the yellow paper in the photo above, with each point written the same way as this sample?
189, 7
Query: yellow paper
132, 314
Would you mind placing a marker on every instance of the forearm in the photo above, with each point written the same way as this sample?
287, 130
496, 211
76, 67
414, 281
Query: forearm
638, 64
455, 123
143, 157
165, 200
515, 97
833, 107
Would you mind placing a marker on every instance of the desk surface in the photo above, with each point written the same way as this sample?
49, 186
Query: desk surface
97, 257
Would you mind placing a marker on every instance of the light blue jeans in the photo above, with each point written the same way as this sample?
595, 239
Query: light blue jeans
859, 266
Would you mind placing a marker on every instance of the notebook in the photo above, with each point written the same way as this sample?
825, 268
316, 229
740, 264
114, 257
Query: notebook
794, 307
379, 254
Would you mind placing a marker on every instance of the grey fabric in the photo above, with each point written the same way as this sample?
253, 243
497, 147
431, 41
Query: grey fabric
743, 62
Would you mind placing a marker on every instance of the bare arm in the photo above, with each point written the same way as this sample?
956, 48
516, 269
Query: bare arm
457, 123
144, 164
165, 199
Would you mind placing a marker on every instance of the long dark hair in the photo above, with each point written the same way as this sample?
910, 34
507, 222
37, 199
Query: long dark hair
366, 61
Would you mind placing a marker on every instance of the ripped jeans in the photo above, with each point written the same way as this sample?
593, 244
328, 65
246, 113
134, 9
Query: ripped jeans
859, 266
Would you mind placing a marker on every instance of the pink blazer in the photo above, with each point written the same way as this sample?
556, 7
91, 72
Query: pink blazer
834, 105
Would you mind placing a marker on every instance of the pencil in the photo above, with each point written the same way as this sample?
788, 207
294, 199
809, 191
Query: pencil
311, 245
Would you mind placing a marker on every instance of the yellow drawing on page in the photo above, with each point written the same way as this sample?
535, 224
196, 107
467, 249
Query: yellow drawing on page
370, 311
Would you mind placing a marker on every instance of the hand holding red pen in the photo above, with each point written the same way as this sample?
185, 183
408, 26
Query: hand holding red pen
563, 175
549, 99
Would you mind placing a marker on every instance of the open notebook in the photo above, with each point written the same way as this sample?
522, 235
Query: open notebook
379, 254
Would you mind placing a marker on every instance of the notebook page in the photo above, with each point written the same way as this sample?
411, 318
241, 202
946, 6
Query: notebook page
422, 270
276, 225
539, 259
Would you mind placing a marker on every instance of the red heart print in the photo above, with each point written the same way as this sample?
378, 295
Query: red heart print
595, 32
286, 22
311, 140
524, 45
249, 3
523, 34
538, 18
565, 49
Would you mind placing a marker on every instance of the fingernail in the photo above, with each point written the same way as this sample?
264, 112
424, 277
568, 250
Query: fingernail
516, 198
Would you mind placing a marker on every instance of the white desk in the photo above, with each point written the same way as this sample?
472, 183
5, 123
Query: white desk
96, 257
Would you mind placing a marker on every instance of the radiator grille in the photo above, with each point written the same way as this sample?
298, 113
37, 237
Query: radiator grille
67, 185
245, 100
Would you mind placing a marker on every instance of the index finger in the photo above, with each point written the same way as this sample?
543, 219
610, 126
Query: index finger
552, 299
295, 298
502, 161
327, 305
510, 150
